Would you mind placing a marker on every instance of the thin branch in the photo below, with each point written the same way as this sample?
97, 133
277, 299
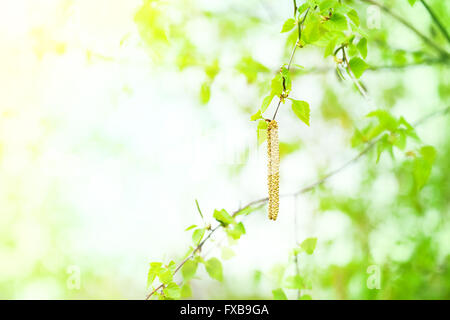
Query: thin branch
292, 56
394, 67
355, 80
436, 20
300, 24
407, 24
303, 190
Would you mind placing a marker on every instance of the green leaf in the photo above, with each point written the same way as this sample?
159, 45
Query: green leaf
205, 92
165, 276
295, 282
326, 5
423, 165
329, 49
288, 25
223, 217
190, 227
172, 266
266, 102
189, 269
337, 22
277, 85
309, 245
352, 50
286, 77
250, 68
313, 30
155, 268
172, 291
237, 231
261, 131
382, 146
385, 119
358, 66
197, 235
428, 153
412, 2
186, 291
214, 268
305, 297
198, 209
353, 16
399, 139
362, 47
301, 109
288, 148
212, 70
303, 8
256, 116
278, 294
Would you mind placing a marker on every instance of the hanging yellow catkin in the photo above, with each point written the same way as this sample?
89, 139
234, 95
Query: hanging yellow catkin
273, 179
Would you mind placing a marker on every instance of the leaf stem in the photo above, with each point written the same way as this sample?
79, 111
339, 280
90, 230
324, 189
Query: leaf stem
297, 43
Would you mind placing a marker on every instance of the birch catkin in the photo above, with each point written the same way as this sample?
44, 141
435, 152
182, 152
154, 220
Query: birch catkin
273, 179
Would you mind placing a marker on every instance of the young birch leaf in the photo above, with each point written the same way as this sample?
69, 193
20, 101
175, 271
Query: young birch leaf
212, 70
303, 8
223, 217
172, 266
358, 66
256, 116
337, 22
172, 291
266, 102
382, 146
288, 25
165, 276
327, 5
309, 245
278, 294
186, 291
261, 131
189, 269
198, 208
214, 268
197, 235
277, 85
353, 16
423, 166
205, 93
301, 109
329, 49
237, 231
190, 227
155, 268
312, 31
